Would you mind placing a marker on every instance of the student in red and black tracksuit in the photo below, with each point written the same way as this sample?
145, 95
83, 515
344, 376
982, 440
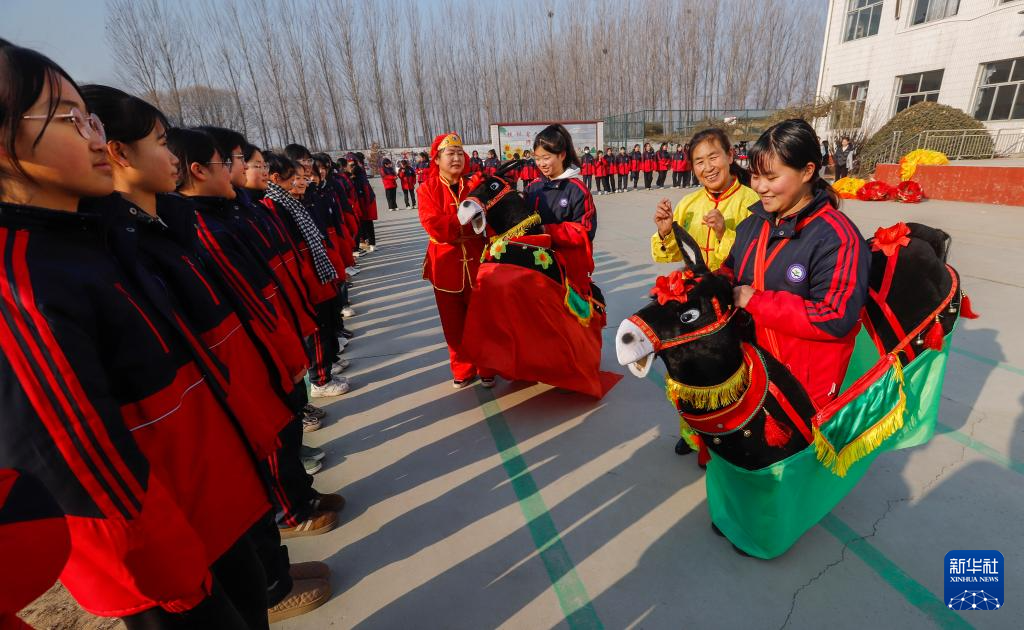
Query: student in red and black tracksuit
491, 164
408, 178
107, 399
664, 163
587, 167
800, 265
636, 160
622, 168
601, 172
649, 165
34, 538
475, 163
367, 202
389, 177
422, 166
529, 171
609, 179
678, 166
564, 204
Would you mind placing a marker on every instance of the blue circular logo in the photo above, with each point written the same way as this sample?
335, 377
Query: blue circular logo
564, 203
796, 273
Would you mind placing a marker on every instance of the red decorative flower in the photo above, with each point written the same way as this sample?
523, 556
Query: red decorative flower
875, 191
889, 240
672, 287
909, 192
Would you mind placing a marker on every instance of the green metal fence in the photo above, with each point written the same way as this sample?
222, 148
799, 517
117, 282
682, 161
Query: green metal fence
677, 125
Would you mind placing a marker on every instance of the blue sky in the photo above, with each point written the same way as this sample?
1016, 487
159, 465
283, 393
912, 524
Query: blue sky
68, 31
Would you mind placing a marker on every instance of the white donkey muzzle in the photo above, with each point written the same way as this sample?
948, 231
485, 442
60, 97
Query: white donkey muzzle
634, 349
472, 213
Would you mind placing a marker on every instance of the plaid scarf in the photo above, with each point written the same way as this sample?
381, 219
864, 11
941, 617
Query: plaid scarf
324, 269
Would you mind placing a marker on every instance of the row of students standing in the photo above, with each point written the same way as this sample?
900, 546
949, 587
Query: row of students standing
166, 292
618, 172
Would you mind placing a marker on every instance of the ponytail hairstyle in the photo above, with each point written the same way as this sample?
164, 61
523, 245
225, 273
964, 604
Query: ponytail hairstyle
126, 118
716, 135
795, 144
190, 146
556, 139
280, 165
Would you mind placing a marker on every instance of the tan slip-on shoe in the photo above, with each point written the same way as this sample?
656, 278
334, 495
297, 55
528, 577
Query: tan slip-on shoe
306, 595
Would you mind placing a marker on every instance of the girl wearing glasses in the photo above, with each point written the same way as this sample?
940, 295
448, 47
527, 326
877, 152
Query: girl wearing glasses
108, 401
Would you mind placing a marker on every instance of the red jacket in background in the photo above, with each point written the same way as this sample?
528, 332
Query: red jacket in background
389, 177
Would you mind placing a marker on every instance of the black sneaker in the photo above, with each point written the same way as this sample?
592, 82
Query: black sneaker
346, 333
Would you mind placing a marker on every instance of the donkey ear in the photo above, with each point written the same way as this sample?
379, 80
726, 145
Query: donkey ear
690, 250
507, 166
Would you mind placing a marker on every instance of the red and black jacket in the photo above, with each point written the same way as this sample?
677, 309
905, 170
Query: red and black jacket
475, 164
102, 400
220, 238
281, 254
408, 177
636, 161
622, 164
814, 270
422, 166
650, 161
318, 291
664, 160
490, 166
601, 165
563, 200
258, 388
679, 161
389, 177
587, 164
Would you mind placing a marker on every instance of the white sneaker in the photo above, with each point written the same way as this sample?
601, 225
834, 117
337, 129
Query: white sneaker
342, 342
331, 389
356, 253
408, 207
340, 380
348, 312
340, 367
371, 248
351, 271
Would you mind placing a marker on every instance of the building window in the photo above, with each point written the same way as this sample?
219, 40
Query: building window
914, 88
928, 10
862, 18
848, 105
1001, 91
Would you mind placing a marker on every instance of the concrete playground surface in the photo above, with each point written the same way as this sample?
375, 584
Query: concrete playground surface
528, 507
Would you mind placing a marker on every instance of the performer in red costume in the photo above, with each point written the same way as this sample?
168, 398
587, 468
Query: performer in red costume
453, 254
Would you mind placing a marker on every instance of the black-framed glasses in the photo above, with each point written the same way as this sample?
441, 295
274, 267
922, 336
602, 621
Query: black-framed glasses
86, 125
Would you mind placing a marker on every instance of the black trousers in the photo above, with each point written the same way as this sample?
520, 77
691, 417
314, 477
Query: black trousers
609, 183
238, 599
266, 539
623, 181
661, 177
677, 179
587, 180
322, 346
841, 172
635, 175
410, 198
366, 233
648, 176
292, 491
600, 182
392, 195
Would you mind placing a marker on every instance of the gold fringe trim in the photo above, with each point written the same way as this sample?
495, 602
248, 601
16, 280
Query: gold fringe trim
518, 229
863, 445
712, 396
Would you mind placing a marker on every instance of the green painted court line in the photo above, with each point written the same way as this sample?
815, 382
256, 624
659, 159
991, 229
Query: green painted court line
980, 358
572, 595
980, 447
911, 590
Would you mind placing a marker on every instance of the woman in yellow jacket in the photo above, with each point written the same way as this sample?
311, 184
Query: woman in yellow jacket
711, 213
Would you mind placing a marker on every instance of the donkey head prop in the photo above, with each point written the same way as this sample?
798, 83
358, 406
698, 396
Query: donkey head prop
718, 380
494, 205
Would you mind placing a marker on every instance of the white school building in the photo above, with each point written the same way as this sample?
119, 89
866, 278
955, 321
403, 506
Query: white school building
881, 56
